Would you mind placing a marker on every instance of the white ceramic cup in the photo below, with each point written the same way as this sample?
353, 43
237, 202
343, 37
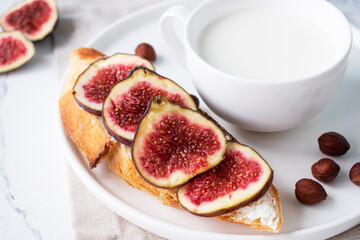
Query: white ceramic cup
264, 106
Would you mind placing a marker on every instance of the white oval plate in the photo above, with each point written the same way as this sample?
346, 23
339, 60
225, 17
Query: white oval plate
290, 153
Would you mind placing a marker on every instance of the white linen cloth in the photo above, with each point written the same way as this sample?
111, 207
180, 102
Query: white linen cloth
93, 221
79, 21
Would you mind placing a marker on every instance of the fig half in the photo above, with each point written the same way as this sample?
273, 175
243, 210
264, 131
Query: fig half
173, 144
127, 101
95, 83
241, 178
15, 50
34, 18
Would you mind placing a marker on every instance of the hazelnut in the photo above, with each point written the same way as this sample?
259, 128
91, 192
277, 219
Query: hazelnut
309, 192
146, 51
325, 170
333, 144
354, 173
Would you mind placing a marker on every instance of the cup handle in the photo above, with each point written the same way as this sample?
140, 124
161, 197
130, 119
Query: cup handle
176, 46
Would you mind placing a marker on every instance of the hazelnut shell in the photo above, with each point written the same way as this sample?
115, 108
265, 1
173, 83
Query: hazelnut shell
146, 51
354, 174
309, 192
333, 144
325, 170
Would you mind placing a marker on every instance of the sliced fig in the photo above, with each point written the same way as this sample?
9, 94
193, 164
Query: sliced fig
95, 83
241, 178
127, 101
15, 50
34, 18
196, 100
173, 144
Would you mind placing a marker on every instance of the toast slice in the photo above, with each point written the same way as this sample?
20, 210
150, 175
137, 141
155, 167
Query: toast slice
89, 134
85, 129
263, 214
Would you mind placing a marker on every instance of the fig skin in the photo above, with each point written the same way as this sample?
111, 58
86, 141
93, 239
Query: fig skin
96, 111
47, 26
227, 209
234, 207
196, 100
149, 73
30, 50
159, 100
85, 107
117, 137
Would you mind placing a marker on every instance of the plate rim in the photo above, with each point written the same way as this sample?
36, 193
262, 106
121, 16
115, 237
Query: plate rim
148, 222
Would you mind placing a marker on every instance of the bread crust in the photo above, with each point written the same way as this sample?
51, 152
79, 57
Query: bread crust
89, 134
85, 129
79, 60
122, 165
271, 199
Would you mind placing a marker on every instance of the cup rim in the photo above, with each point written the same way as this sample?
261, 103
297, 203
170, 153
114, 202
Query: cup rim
337, 62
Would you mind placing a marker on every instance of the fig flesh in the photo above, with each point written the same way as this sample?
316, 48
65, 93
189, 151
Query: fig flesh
95, 83
34, 18
15, 50
173, 144
241, 178
127, 101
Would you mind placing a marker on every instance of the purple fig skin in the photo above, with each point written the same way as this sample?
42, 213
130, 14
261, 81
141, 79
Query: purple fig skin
17, 61
237, 206
196, 100
86, 108
40, 35
123, 140
158, 98
95, 111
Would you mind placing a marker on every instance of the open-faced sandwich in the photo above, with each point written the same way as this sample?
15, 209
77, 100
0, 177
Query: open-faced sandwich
153, 136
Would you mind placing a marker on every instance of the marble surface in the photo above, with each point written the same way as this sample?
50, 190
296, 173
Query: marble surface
33, 187
34, 196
